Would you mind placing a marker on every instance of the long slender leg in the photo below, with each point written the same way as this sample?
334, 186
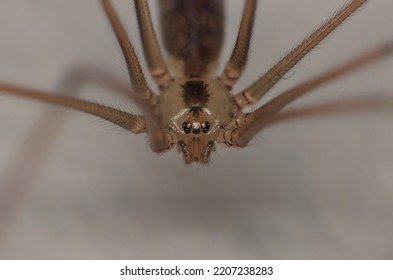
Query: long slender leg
350, 105
128, 121
137, 78
239, 56
256, 120
153, 56
78, 77
145, 97
20, 175
259, 88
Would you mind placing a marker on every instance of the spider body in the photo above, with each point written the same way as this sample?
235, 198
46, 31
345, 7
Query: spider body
197, 109
97, 179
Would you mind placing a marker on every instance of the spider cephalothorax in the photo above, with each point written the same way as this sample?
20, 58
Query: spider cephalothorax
195, 95
193, 113
195, 109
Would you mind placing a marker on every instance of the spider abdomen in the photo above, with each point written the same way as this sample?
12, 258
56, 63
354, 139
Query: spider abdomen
193, 32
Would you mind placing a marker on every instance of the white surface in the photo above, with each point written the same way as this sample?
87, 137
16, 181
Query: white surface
203, 269
318, 188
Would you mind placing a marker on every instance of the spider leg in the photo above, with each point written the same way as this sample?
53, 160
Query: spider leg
153, 56
146, 99
259, 118
137, 78
333, 108
260, 87
17, 180
238, 60
133, 123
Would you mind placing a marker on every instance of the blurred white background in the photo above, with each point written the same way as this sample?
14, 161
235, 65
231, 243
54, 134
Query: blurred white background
315, 188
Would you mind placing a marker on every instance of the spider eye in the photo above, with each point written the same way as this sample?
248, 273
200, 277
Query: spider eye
186, 127
205, 127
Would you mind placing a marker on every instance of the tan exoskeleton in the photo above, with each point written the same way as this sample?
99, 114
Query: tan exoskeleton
196, 110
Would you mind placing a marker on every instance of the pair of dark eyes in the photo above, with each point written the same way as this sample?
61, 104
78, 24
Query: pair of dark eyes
187, 128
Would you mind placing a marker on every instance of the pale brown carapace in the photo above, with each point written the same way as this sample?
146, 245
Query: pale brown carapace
197, 109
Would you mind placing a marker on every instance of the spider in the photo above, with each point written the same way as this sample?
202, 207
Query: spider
197, 109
